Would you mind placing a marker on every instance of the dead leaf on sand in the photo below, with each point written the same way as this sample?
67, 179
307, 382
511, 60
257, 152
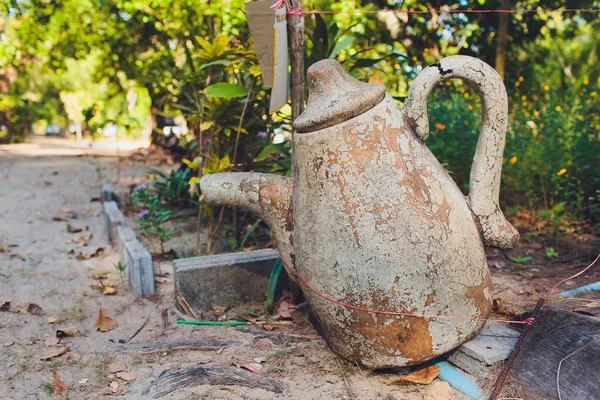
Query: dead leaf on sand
4, 305
9, 343
285, 310
127, 376
3, 249
82, 239
30, 308
423, 376
68, 331
58, 386
99, 251
19, 256
186, 307
219, 309
71, 229
104, 323
55, 353
112, 368
107, 288
53, 341
53, 320
114, 389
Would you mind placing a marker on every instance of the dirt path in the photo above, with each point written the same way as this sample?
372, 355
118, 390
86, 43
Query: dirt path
39, 265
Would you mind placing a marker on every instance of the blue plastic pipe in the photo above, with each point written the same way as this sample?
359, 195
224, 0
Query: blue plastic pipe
582, 289
459, 381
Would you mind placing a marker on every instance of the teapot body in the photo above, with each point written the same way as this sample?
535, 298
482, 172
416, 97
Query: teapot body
379, 224
387, 249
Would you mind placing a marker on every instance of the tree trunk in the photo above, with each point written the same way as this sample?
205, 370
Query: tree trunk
501, 45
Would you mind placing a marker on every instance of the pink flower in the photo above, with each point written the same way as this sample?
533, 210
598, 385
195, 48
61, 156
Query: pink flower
261, 134
141, 187
143, 212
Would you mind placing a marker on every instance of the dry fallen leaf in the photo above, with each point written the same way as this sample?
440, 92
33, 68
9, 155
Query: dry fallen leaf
48, 183
58, 387
68, 331
82, 240
104, 323
107, 288
112, 368
3, 249
70, 229
52, 320
439, 390
186, 307
55, 353
114, 389
219, 309
127, 376
285, 309
19, 256
9, 343
30, 308
268, 327
4, 305
99, 251
498, 306
423, 376
53, 341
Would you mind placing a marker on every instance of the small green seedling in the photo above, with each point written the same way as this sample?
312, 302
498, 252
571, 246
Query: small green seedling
120, 267
520, 260
550, 252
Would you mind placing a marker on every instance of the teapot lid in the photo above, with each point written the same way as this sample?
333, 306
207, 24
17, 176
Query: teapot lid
335, 96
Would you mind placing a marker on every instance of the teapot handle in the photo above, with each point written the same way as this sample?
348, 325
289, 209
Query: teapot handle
487, 163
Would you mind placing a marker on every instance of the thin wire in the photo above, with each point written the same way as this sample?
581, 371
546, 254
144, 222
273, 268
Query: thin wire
528, 321
567, 10
571, 277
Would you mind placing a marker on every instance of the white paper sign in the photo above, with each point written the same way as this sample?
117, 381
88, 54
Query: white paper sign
260, 17
280, 84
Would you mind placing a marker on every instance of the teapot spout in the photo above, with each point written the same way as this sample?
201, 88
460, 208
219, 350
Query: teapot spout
269, 196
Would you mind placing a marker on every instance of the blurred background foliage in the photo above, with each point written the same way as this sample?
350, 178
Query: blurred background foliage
142, 64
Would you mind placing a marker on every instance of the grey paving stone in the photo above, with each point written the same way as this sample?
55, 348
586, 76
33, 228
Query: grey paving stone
492, 345
139, 270
225, 279
113, 217
125, 233
107, 192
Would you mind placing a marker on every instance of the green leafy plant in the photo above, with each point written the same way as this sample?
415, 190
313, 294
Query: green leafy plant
520, 260
550, 252
554, 218
152, 215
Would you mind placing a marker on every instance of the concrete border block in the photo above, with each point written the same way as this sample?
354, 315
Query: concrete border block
125, 234
107, 192
113, 218
225, 279
492, 345
140, 271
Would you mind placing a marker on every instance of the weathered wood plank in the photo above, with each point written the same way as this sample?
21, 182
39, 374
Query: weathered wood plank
172, 379
561, 335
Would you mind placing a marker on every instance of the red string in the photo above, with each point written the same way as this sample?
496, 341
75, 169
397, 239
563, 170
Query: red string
527, 321
571, 277
568, 10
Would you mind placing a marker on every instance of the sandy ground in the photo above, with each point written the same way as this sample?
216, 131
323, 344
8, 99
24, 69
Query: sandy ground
39, 264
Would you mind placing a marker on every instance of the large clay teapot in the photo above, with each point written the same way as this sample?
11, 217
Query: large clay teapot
372, 219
